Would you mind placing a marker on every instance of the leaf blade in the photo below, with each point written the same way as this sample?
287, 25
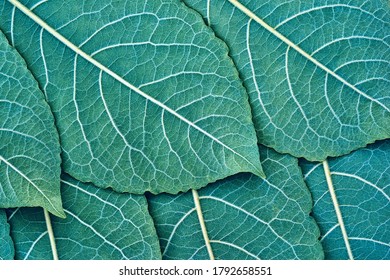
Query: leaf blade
360, 182
317, 74
7, 250
246, 217
100, 224
160, 113
30, 150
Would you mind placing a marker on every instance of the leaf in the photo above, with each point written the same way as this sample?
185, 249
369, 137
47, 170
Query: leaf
245, 217
6, 245
100, 224
29, 145
361, 199
145, 96
318, 74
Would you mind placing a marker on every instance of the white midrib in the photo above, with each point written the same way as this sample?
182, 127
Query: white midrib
337, 208
202, 224
87, 57
287, 41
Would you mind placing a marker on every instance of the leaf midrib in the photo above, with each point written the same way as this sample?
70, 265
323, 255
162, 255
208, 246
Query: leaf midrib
77, 50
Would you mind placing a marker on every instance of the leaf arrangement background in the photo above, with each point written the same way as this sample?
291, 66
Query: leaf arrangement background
194, 129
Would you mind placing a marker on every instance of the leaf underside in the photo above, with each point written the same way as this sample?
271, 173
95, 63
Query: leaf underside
100, 224
7, 250
162, 108
361, 183
328, 103
29, 144
246, 217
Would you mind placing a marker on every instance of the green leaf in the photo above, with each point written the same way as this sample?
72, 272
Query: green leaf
6, 244
245, 217
100, 224
145, 96
29, 145
361, 199
318, 74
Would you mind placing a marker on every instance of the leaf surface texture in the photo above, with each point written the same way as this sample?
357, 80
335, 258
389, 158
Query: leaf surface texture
246, 217
146, 100
6, 244
361, 184
100, 224
317, 72
29, 145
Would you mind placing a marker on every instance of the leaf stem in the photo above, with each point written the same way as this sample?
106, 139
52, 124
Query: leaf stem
202, 224
337, 208
51, 235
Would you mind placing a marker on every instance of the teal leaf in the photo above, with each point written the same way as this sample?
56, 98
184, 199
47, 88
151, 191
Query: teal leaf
100, 224
6, 244
244, 217
362, 199
145, 96
29, 145
317, 72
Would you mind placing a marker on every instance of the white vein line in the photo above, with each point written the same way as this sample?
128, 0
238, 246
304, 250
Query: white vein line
182, 73
312, 169
250, 215
329, 231
103, 201
12, 26
38, 4
337, 208
114, 22
25, 135
202, 224
170, 146
361, 61
44, 63
292, 91
77, 107
328, 101
175, 228
321, 8
370, 240
31, 182
132, 44
96, 232
13, 213
236, 247
113, 123
253, 72
362, 180
349, 38
33, 245
87, 57
302, 52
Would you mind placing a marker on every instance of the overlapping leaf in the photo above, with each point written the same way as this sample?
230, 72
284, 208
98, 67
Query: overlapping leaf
318, 72
245, 217
361, 184
100, 224
6, 244
146, 100
29, 144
